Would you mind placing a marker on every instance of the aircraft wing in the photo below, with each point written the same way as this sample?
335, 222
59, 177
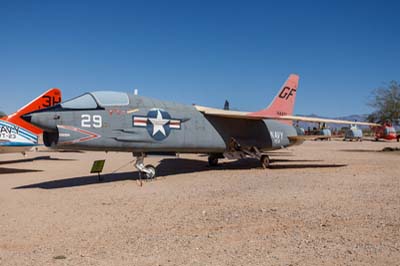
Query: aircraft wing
226, 113
325, 120
252, 116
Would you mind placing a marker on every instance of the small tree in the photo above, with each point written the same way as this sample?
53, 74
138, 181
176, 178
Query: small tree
386, 102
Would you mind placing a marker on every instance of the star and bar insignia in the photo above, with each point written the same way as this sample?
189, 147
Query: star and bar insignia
158, 123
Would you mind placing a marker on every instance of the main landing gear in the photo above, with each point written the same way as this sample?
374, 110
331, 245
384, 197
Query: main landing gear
213, 159
263, 158
149, 170
237, 151
265, 161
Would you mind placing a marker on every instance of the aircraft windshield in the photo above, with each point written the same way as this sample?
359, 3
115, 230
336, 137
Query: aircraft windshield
390, 130
111, 98
84, 101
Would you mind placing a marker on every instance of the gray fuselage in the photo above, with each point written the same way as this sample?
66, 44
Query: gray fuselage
143, 124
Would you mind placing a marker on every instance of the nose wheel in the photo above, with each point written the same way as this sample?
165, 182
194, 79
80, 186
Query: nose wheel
149, 171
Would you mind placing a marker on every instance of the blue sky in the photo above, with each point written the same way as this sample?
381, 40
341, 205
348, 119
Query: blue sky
201, 51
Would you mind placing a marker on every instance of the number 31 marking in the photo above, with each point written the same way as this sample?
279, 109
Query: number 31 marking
89, 121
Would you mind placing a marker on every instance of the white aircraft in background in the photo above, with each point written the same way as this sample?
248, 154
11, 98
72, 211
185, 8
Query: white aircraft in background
16, 135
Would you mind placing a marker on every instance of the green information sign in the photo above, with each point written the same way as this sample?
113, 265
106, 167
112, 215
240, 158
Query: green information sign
97, 167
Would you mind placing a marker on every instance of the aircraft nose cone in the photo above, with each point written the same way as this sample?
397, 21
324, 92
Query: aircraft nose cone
45, 121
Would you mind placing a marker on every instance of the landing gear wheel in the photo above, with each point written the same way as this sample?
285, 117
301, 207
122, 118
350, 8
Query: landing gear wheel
212, 160
265, 161
150, 171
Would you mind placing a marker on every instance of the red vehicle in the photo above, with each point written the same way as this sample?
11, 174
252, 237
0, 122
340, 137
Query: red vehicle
386, 131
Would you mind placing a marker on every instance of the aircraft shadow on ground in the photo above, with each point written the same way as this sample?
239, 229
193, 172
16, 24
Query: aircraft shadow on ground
297, 161
271, 154
384, 150
83, 181
7, 170
183, 166
4, 170
39, 158
358, 150
169, 167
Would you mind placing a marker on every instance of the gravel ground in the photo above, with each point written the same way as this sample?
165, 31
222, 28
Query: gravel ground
322, 203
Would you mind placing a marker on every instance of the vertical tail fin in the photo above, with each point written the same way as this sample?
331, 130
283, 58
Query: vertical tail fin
283, 103
47, 99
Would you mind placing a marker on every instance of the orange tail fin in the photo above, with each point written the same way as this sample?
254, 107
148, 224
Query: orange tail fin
283, 103
47, 99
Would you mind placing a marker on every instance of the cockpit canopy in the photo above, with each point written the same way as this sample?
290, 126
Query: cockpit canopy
96, 99
390, 130
85, 101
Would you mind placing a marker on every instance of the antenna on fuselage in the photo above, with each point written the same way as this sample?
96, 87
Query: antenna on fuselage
226, 105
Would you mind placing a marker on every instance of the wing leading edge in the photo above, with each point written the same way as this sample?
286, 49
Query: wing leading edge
250, 116
225, 113
325, 120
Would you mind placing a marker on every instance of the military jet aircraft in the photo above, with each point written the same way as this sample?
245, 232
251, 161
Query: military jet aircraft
117, 121
16, 135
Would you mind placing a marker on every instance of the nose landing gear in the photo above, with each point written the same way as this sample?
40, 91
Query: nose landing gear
149, 170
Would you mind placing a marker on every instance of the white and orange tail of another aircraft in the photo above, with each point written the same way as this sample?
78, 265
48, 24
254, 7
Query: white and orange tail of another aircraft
47, 99
19, 135
283, 103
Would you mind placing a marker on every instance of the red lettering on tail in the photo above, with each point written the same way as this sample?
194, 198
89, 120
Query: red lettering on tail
47, 99
283, 103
